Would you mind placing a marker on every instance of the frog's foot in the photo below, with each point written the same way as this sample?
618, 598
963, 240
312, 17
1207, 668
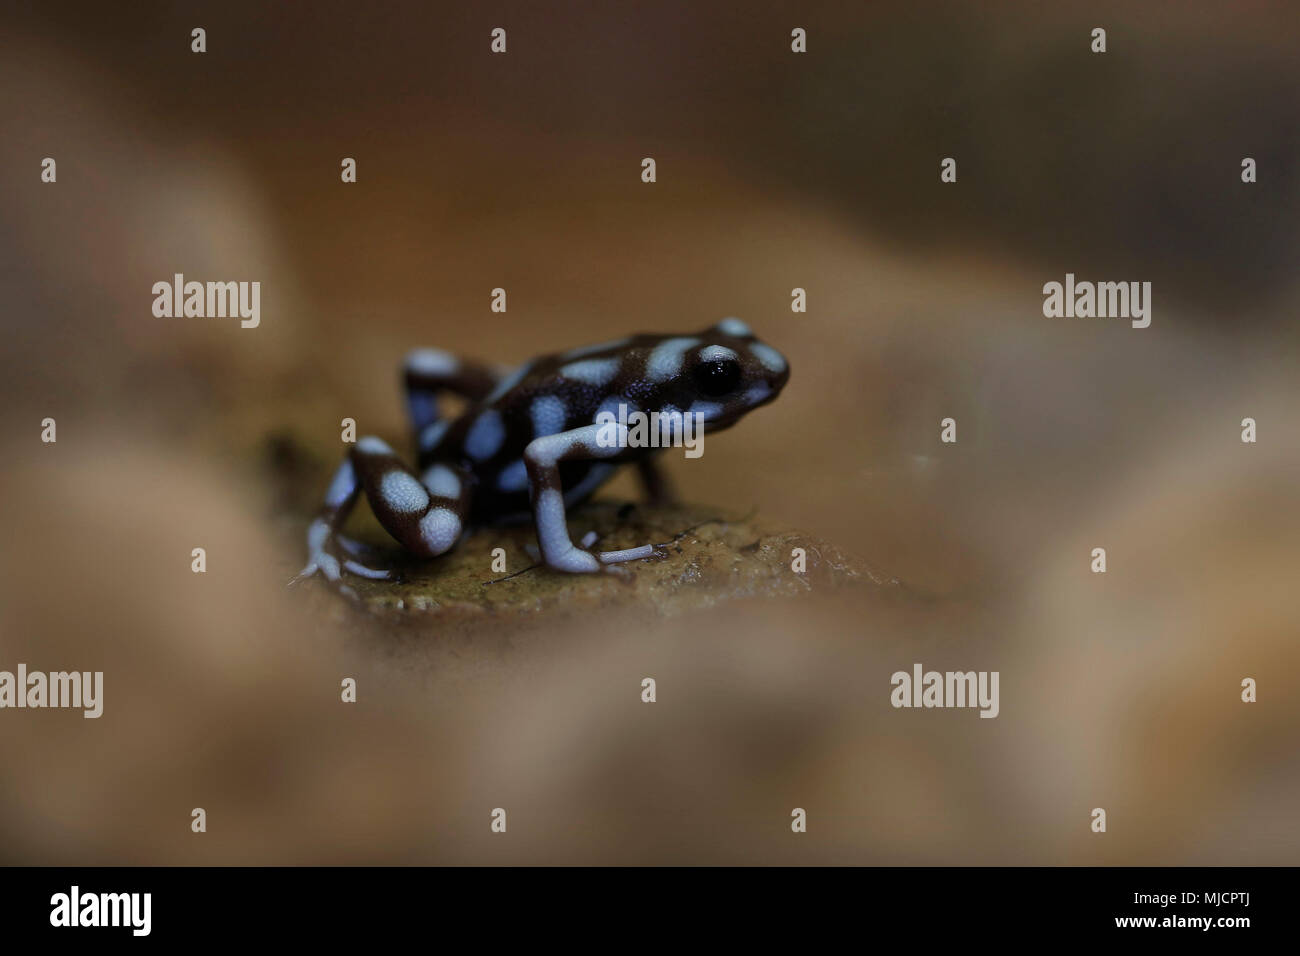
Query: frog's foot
582, 558
327, 556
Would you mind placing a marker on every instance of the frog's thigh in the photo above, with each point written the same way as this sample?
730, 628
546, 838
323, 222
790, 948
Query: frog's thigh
426, 513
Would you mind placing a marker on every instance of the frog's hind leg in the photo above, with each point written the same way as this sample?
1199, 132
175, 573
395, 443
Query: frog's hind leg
340, 499
428, 372
425, 513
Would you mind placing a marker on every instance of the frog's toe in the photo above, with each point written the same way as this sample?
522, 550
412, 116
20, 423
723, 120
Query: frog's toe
321, 563
629, 554
301, 576
374, 574
355, 548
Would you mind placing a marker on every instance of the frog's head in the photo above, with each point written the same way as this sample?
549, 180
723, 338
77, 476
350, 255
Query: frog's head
732, 373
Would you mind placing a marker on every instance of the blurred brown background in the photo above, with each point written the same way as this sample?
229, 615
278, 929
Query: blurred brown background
775, 170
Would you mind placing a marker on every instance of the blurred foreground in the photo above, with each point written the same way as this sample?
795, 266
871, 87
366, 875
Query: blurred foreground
222, 690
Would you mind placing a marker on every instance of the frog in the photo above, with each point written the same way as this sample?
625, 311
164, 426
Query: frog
534, 442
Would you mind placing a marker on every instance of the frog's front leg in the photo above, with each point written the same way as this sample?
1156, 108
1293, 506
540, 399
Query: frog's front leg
656, 484
425, 513
542, 459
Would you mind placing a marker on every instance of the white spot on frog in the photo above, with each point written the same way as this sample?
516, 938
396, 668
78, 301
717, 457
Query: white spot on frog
433, 362
548, 413
442, 481
592, 371
402, 493
772, 360
665, 360
440, 528
486, 436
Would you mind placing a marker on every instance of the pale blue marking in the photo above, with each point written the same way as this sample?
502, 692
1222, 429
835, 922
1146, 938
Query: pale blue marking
717, 353
592, 371
548, 414
708, 411
486, 436
440, 528
433, 435
665, 360
772, 360
403, 493
442, 481
433, 362
513, 477
343, 486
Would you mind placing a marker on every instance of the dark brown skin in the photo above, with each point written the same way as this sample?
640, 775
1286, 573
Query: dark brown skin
540, 440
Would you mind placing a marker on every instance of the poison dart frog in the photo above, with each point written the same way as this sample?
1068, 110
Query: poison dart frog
529, 443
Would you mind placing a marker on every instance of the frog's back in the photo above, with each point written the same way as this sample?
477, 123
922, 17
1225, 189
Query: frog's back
567, 390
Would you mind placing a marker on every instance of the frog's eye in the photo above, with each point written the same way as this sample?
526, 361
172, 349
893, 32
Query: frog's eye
718, 378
